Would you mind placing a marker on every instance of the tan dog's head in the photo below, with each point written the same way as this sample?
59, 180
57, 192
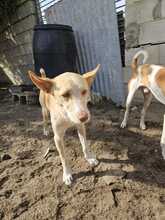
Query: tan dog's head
71, 91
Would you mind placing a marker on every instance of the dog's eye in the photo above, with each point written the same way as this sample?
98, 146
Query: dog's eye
84, 92
66, 95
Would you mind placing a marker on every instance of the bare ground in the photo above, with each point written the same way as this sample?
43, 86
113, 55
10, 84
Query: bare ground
127, 184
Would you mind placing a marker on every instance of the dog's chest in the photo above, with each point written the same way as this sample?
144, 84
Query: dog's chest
60, 118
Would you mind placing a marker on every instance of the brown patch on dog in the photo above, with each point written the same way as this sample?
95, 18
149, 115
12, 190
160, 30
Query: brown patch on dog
134, 71
160, 79
129, 82
134, 68
145, 72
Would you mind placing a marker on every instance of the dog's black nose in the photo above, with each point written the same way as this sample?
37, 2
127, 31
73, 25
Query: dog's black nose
83, 116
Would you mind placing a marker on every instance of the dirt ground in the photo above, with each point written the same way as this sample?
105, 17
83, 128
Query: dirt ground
128, 183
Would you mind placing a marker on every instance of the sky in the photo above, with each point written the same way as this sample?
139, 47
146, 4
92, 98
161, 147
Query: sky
47, 3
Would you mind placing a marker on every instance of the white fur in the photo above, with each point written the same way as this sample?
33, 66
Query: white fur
151, 87
66, 112
142, 52
134, 85
162, 142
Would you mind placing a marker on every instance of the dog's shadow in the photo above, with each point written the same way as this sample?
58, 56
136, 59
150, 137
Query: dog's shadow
149, 177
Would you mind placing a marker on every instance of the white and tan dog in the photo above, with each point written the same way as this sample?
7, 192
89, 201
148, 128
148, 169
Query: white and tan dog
65, 97
151, 79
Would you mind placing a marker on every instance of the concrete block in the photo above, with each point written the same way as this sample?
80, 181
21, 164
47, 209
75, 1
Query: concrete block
23, 60
143, 11
25, 37
138, 17
152, 32
149, 10
162, 54
24, 24
130, 2
26, 9
153, 51
126, 73
163, 9
132, 13
132, 35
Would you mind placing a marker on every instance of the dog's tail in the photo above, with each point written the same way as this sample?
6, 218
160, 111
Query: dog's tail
43, 74
134, 63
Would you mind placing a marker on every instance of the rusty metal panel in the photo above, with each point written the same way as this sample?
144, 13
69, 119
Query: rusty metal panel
95, 25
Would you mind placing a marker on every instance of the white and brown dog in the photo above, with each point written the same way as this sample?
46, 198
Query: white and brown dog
151, 79
65, 98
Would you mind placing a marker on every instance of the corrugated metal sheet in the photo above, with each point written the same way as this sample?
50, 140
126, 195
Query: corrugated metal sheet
96, 32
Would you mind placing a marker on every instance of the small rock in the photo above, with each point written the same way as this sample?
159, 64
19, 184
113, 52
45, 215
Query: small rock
134, 108
20, 208
1, 214
113, 176
8, 193
162, 199
5, 157
24, 155
115, 124
21, 122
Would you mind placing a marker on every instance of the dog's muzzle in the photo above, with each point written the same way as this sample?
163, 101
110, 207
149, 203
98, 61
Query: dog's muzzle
83, 116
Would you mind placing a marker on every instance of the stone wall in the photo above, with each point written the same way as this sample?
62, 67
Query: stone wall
145, 28
16, 43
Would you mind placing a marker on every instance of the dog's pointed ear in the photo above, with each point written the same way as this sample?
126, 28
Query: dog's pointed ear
90, 76
44, 84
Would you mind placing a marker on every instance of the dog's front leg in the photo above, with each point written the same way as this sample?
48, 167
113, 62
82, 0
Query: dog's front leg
58, 138
89, 156
162, 143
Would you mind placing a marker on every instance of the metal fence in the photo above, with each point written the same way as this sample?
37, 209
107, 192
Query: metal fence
91, 41
42, 5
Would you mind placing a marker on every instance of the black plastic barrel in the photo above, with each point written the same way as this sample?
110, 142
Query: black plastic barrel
54, 49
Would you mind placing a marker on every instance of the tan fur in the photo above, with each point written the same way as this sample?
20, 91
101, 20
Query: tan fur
65, 98
145, 72
160, 79
134, 72
150, 79
134, 68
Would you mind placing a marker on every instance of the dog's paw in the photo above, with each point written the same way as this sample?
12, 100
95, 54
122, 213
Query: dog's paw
67, 178
123, 124
93, 161
163, 154
162, 144
142, 126
46, 132
163, 150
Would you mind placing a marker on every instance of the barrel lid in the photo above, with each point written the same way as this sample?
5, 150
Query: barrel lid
52, 26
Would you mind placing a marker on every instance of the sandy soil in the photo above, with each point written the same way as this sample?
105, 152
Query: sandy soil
127, 184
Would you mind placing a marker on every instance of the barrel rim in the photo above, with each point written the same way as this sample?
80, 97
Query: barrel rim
52, 26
